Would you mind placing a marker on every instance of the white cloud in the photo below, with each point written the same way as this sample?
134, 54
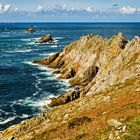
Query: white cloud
63, 7
40, 8
16, 10
90, 9
4, 8
138, 9
128, 10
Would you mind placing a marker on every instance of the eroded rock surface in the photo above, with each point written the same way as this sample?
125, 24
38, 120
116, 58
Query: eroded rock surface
94, 64
107, 71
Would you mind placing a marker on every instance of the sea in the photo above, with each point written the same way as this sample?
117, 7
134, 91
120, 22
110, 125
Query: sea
24, 87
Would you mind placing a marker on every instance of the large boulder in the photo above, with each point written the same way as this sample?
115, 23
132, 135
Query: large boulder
46, 39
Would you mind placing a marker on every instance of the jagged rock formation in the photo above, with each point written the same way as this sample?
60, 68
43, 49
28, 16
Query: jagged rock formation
94, 64
107, 71
45, 39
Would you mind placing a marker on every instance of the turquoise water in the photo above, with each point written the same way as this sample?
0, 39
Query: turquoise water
25, 87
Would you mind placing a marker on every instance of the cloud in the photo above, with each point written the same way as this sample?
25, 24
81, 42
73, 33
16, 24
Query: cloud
67, 12
16, 10
4, 8
40, 8
90, 9
128, 10
63, 7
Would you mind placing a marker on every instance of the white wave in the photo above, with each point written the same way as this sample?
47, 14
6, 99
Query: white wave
31, 43
44, 54
54, 46
51, 78
4, 36
24, 116
43, 68
58, 38
26, 39
47, 54
39, 103
19, 51
30, 63
37, 83
42, 102
23, 50
8, 120
2, 111
36, 93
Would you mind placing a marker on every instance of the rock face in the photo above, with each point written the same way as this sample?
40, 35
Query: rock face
67, 97
105, 74
45, 39
94, 64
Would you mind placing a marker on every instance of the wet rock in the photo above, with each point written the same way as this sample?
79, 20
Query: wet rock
48, 60
45, 39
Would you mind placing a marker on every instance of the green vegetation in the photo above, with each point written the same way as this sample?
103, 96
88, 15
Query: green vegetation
78, 121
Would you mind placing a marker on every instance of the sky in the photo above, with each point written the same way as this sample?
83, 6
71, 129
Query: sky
69, 10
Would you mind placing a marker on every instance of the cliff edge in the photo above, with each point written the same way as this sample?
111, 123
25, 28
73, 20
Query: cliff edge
105, 102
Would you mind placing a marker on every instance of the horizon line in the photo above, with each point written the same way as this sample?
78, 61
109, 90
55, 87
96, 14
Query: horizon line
71, 22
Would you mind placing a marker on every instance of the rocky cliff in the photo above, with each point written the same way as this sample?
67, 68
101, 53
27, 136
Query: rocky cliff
94, 64
105, 102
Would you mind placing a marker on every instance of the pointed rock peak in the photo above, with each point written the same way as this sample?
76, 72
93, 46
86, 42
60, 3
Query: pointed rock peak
119, 40
120, 34
136, 38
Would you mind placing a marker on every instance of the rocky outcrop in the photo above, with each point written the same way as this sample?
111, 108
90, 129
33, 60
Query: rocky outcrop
62, 99
107, 71
45, 39
94, 64
47, 61
31, 29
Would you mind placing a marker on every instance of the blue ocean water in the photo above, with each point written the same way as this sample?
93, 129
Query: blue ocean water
25, 87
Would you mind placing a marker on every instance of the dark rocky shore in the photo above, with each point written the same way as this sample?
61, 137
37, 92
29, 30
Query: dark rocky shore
105, 102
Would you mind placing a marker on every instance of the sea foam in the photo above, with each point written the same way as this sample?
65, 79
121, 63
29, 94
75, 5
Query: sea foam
7, 120
19, 51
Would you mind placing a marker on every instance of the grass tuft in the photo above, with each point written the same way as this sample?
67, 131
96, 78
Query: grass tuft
78, 121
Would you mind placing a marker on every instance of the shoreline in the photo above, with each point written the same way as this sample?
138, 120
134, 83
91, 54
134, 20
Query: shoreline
105, 73
55, 76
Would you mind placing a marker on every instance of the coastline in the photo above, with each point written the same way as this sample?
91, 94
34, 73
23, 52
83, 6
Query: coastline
97, 68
